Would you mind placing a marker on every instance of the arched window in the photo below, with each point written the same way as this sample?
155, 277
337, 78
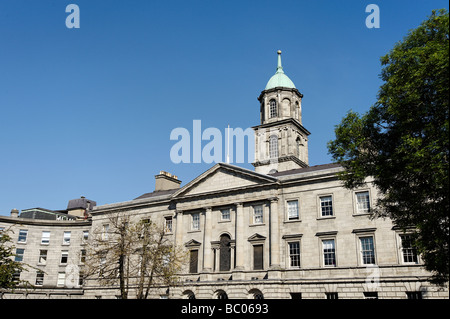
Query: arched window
273, 146
256, 294
225, 253
222, 294
188, 294
272, 108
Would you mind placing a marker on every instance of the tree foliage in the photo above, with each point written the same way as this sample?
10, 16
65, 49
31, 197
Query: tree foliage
9, 267
132, 255
403, 141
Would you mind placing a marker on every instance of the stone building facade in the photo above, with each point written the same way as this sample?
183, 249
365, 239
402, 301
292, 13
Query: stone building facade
286, 230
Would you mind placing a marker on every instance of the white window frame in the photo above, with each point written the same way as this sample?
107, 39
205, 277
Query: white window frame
402, 250
319, 204
43, 257
288, 211
23, 234
61, 281
365, 211
360, 248
45, 237
40, 275
328, 239
168, 224
105, 232
66, 238
195, 221
225, 212
288, 254
64, 253
258, 214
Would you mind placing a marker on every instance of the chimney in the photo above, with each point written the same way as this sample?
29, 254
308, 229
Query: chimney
14, 213
165, 181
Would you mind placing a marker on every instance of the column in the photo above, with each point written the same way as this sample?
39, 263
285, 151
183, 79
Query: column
240, 256
179, 227
207, 250
274, 234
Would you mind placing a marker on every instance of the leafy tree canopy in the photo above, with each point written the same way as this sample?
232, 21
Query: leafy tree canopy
402, 142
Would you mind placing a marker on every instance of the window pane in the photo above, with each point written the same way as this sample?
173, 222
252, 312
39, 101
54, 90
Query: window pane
66, 238
272, 108
273, 146
45, 239
326, 205
292, 210
22, 236
195, 221
294, 254
329, 254
258, 214
367, 250
225, 214
363, 202
409, 251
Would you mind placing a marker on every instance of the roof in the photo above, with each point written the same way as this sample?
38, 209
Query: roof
82, 202
279, 79
306, 169
158, 193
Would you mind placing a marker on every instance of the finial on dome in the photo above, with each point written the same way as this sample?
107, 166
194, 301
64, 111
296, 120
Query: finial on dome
279, 67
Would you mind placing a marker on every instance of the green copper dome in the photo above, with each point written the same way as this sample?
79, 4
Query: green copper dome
279, 78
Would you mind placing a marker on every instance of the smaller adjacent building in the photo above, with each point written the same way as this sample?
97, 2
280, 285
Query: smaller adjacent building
53, 244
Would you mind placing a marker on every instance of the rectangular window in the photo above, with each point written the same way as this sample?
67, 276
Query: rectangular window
83, 256
414, 294
292, 206
258, 214
61, 279
193, 261
39, 278
326, 206
42, 257
294, 254
85, 235
367, 250
45, 238
409, 252
105, 232
19, 254
196, 221
258, 257
168, 224
329, 252
362, 202
225, 214
66, 238
22, 236
332, 295
64, 256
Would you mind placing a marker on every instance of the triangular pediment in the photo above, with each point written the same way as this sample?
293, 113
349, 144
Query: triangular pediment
256, 237
223, 177
192, 243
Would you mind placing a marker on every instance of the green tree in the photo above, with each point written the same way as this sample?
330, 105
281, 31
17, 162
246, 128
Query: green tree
8, 266
402, 142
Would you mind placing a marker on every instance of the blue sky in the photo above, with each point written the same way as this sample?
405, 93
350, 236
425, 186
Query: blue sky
89, 111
